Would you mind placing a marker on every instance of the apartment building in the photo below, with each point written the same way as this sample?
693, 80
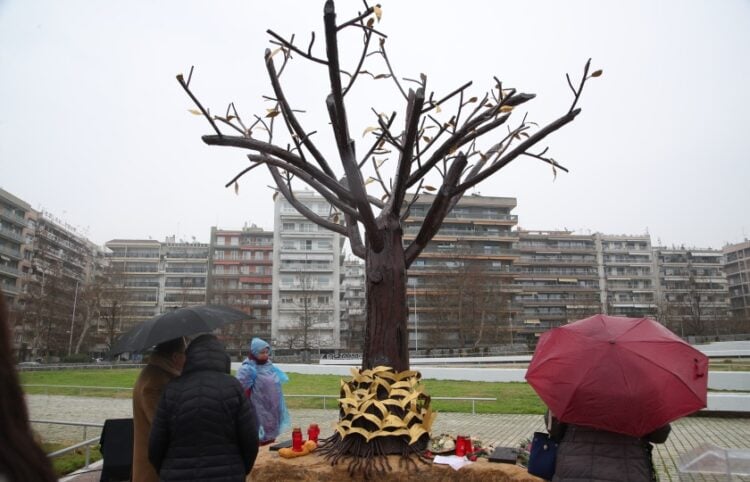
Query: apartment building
476, 245
692, 291
58, 263
353, 305
627, 278
240, 275
557, 277
306, 311
737, 268
149, 277
14, 216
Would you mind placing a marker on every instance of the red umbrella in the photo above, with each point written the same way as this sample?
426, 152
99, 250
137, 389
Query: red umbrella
625, 375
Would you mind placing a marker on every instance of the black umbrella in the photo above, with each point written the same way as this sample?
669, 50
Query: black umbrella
186, 321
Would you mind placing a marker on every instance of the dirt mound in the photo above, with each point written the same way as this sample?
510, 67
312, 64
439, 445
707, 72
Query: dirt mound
269, 467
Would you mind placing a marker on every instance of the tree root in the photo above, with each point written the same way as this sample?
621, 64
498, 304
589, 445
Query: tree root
370, 459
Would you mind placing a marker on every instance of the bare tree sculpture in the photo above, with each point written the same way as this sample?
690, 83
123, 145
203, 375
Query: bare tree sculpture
463, 147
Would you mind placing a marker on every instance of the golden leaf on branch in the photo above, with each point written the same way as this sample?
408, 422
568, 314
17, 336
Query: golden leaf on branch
195, 112
378, 11
506, 108
597, 73
370, 22
272, 112
370, 129
429, 188
473, 99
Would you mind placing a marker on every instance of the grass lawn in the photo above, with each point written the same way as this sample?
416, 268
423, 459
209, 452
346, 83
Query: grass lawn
511, 397
65, 464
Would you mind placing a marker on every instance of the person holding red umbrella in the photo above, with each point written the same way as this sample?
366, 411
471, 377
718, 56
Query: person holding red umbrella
587, 453
615, 383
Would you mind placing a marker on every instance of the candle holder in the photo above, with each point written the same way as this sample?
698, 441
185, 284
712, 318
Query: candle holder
460, 445
297, 439
313, 431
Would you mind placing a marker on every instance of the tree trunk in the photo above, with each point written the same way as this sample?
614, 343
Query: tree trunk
386, 337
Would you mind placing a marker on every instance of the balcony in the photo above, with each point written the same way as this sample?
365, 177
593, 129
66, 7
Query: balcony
15, 253
468, 218
6, 269
10, 234
306, 267
11, 216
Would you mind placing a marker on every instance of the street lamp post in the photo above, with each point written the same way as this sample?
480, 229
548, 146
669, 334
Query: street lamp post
510, 323
72, 320
416, 315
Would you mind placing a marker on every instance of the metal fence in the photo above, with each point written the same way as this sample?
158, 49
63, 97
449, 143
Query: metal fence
87, 443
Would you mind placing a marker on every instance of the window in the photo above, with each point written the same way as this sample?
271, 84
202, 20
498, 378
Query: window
235, 241
220, 240
288, 227
308, 244
259, 255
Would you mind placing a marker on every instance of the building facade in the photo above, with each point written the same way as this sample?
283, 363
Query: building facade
627, 277
14, 221
692, 292
147, 278
307, 259
353, 305
737, 268
240, 276
463, 278
557, 276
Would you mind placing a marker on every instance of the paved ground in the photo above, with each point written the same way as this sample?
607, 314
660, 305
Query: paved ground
505, 430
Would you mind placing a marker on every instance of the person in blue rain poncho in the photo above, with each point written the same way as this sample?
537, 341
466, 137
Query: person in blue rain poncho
262, 380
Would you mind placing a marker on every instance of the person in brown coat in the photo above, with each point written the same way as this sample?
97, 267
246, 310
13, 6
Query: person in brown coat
164, 364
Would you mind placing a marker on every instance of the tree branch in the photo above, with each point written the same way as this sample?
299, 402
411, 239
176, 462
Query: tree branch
390, 69
377, 142
413, 113
520, 149
291, 158
337, 113
303, 210
309, 180
438, 210
368, 35
289, 116
185, 86
291, 47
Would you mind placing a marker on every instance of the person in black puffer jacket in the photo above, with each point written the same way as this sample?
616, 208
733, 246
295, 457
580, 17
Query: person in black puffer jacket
588, 454
204, 428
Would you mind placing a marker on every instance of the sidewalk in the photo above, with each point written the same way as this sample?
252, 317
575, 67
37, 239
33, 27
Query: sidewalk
505, 430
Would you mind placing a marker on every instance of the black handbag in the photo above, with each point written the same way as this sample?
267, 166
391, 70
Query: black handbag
542, 456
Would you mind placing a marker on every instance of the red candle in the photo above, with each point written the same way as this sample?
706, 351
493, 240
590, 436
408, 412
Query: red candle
297, 439
460, 445
313, 431
468, 446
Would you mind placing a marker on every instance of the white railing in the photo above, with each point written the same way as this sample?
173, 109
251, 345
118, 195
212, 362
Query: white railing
85, 443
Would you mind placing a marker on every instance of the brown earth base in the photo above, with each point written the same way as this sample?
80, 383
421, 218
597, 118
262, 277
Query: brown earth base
269, 467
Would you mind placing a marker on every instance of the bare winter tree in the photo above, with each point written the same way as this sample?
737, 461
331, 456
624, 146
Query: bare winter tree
455, 137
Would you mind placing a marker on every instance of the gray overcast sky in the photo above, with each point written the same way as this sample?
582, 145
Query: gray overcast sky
95, 129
